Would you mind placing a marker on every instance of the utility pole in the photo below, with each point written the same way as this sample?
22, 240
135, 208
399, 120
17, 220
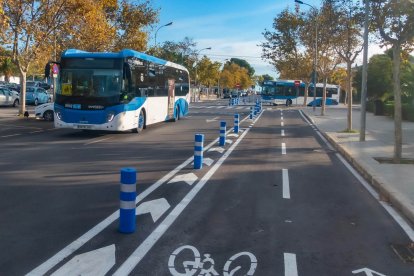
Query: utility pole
364, 76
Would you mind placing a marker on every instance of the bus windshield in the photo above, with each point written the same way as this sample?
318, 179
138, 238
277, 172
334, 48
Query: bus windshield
90, 81
269, 90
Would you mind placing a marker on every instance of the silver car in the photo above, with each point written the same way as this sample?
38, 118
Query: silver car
8, 97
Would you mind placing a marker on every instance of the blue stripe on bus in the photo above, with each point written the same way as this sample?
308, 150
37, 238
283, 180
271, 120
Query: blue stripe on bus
75, 53
97, 116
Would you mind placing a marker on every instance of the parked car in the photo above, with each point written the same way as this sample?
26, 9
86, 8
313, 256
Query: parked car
8, 97
41, 84
45, 111
13, 86
37, 95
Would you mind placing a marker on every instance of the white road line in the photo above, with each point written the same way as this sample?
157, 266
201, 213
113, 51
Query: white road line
394, 214
134, 259
397, 217
282, 132
282, 124
11, 135
283, 148
286, 188
78, 243
291, 268
281, 118
97, 141
37, 131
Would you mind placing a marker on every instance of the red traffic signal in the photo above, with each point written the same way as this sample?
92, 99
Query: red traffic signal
297, 83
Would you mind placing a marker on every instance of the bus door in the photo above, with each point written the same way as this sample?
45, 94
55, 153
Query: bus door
171, 98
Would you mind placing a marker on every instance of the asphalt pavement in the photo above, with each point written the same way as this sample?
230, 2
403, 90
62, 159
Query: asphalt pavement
394, 182
275, 200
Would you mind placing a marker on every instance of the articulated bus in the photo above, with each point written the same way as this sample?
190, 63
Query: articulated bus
285, 92
120, 91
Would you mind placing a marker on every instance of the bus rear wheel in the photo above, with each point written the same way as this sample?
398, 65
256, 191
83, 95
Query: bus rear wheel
288, 102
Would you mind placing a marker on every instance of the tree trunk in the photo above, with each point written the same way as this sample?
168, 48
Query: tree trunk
349, 94
22, 103
396, 50
305, 100
323, 109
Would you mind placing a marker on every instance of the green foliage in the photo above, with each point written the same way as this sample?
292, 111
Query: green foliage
243, 63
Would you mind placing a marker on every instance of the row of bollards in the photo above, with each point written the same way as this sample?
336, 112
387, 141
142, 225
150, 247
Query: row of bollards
128, 193
234, 101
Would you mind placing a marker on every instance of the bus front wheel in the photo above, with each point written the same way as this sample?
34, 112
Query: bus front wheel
141, 122
288, 102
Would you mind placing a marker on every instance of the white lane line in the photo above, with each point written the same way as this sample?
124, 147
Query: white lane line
291, 268
282, 132
281, 118
97, 141
79, 242
397, 217
282, 124
139, 253
37, 131
283, 148
394, 214
286, 188
11, 135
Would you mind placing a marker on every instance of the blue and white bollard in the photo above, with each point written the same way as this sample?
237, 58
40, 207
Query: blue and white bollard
222, 140
236, 123
127, 195
251, 113
198, 151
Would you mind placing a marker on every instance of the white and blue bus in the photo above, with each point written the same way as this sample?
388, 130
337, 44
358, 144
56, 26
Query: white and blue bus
285, 92
120, 91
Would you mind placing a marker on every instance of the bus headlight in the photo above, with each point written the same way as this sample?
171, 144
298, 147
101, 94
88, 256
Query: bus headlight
110, 116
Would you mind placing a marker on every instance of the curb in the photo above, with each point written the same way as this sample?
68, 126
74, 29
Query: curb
384, 193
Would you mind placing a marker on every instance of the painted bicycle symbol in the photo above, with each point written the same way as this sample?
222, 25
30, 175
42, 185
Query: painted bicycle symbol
205, 266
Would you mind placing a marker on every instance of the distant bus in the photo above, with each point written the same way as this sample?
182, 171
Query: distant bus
285, 92
120, 91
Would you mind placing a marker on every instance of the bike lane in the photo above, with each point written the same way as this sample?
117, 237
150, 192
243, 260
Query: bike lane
248, 221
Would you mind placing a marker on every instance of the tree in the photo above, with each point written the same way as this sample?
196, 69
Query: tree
208, 71
379, 81
348, 31
284, 47
233, 75
244, 64
27, 25
7, 67
394, 20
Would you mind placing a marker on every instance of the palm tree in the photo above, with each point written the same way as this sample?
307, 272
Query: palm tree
7, 68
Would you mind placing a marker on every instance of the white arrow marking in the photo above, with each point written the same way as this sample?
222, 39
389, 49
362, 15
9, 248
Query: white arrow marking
188, 178
218, 149
212, 120
367, 271
96, 262
156, 208
232, 135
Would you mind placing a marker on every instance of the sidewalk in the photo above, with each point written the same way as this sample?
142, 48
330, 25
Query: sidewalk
394, 182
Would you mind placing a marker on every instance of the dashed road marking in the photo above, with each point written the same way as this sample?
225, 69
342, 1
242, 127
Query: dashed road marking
285, 180
291, 268
283, 148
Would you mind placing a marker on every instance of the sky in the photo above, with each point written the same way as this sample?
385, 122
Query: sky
232, 28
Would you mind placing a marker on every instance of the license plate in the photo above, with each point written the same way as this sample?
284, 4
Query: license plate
83, 127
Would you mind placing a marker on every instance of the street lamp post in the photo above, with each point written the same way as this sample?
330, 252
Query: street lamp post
315, 59
195, 79
168, 24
